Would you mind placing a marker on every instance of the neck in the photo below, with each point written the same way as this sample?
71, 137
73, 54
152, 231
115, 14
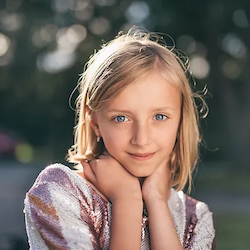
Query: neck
141, 180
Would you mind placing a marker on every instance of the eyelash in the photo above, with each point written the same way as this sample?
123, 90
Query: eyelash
116, 118
164, 117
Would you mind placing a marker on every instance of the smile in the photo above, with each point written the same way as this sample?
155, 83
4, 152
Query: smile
141, 157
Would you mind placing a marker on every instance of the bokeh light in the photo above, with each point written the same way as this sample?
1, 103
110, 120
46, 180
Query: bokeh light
11, 21
233, 45
4, 44
240, 18
105, 2
84, 12
44, 35
231, 69
24, 152
55, 61
99, 25
137, 12
186, 43
6, 50
62, 6
199, 66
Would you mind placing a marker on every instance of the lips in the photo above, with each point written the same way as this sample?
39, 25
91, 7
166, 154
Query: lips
141, 157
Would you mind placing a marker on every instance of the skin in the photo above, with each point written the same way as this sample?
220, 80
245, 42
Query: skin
142, 119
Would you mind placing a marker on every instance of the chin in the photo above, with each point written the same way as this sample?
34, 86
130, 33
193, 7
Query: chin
141, 174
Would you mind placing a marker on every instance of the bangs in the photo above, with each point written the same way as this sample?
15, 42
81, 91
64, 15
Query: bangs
117, 74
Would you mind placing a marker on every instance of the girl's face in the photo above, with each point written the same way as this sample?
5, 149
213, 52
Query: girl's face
139, 126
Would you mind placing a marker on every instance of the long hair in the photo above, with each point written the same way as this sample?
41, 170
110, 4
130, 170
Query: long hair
120, 62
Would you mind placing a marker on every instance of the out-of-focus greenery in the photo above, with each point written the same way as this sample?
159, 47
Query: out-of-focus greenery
227, 195
223, 179
232, 231
44, 45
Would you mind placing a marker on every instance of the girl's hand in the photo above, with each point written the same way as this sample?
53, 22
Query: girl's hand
111, 179
158, 184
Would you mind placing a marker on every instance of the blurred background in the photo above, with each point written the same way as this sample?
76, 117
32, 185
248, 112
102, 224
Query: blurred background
44, 45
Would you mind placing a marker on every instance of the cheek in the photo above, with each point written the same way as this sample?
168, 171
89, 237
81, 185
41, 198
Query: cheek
114, 139
168, 143
167, 138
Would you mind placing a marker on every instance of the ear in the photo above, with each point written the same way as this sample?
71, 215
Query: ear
94, 124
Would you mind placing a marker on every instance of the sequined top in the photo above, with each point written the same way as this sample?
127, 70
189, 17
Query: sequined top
63, 211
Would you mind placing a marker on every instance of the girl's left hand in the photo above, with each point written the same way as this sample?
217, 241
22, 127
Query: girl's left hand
158, 184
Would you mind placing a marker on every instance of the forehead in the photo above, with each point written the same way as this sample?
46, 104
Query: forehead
150, 91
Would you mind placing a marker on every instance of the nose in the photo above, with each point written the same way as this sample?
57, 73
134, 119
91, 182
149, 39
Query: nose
141, 135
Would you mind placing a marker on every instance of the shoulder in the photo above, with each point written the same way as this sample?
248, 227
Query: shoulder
54, 176
55, 173
200, 230
60, 206
196, 219
58, 182
190, 205
198, 214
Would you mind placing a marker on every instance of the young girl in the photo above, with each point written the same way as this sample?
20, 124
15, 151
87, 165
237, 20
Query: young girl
136, 144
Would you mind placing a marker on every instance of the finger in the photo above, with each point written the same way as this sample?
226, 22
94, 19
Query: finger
89, 173
93, 164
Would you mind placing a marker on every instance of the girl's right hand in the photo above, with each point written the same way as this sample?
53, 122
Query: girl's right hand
111, 179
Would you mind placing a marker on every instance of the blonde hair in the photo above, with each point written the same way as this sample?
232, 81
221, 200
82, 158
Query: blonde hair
119, 63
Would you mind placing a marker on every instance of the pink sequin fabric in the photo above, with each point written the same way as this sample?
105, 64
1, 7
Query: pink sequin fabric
63, 211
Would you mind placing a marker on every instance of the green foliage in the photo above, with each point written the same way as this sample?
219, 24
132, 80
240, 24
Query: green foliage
34, 96
34, 99
232, 231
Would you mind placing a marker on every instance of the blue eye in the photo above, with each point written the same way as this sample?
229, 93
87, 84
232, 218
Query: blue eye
160, 117
120, 118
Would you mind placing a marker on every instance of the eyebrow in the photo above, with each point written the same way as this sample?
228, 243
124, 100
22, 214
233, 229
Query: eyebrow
129, 112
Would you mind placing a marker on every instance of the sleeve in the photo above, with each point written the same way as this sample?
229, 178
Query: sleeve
204, 230
55, 217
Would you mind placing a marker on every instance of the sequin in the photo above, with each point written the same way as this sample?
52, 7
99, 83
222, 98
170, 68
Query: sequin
63, 211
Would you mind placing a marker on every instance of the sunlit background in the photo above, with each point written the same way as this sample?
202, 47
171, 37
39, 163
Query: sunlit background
44, 45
